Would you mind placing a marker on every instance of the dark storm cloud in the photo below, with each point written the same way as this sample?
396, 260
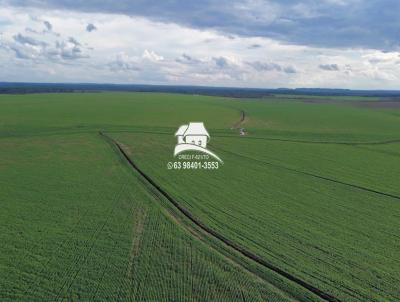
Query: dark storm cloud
326, 23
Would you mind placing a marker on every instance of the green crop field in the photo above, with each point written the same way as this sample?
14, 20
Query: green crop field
305, 207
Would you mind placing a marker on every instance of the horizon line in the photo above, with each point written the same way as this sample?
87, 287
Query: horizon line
198, 86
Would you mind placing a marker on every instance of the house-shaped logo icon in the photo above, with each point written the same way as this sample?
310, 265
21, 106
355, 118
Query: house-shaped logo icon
194, 133
193, 137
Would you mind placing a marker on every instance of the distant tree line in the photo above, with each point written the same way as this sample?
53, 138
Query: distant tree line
24, 88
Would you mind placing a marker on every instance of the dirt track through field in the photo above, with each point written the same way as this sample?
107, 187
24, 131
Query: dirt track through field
139, 219
248, 254
241, 121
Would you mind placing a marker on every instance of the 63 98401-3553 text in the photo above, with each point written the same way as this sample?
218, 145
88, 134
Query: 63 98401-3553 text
193, 165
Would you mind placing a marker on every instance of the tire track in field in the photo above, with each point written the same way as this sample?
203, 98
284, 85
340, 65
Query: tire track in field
139, 219
386, 152
393, 141
131, 213
246, 253
311, 174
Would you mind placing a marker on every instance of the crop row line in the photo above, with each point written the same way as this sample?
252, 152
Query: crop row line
115, 243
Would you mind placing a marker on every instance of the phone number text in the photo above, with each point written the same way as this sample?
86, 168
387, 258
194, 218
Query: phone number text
193, 165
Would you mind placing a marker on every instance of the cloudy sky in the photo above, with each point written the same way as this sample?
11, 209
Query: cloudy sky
248, 43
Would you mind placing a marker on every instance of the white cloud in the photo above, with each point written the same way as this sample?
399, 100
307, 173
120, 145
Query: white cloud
152, 56
124, 49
